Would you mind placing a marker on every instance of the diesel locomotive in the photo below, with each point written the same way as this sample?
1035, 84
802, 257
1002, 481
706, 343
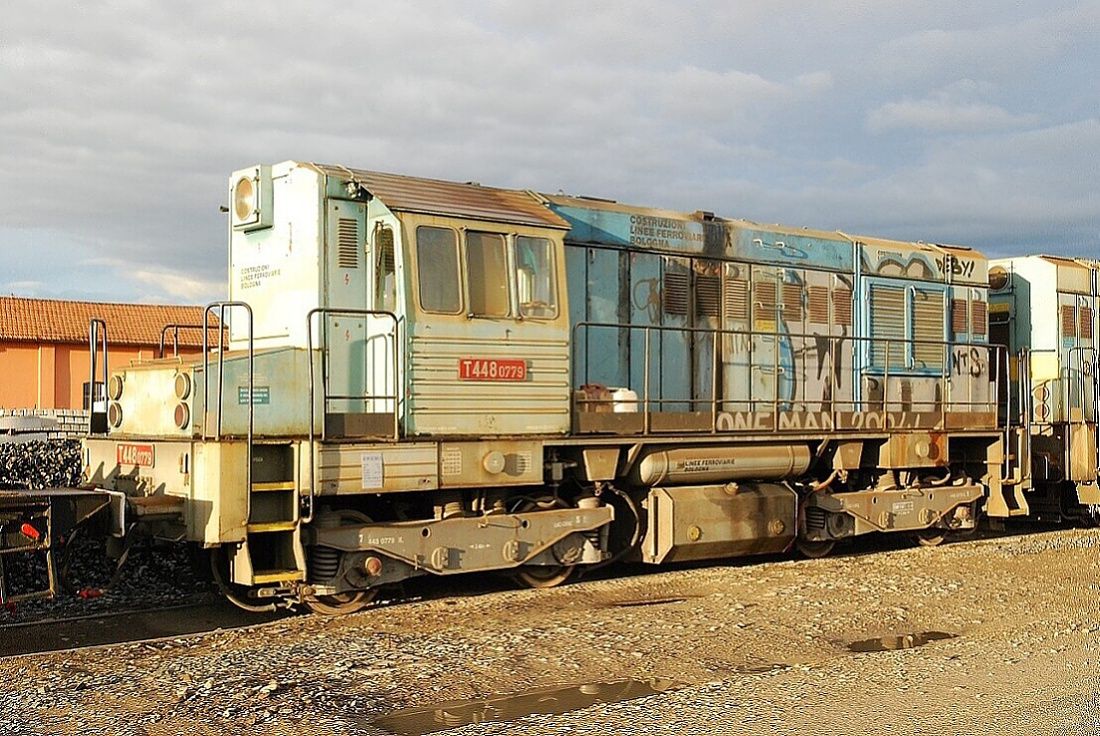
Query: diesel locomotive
423, 377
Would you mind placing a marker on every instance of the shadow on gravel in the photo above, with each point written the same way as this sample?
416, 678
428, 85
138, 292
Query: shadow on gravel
121, 628
431, 588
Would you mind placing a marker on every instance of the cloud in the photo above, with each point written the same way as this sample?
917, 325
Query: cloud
23, 288
179, 286
121, 121
990, 40
950, 110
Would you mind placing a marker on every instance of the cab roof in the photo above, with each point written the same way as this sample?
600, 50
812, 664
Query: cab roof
436, 197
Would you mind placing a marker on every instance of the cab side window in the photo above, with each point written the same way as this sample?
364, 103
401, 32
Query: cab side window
487, 274
536, 290
437, 261
385, 279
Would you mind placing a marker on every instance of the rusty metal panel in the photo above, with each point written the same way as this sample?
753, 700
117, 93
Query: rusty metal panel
1082, 452
436, 197
970, 420
681, 421
587, 422
914, 450
709, 522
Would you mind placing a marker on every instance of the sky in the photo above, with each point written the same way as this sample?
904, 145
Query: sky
972, 123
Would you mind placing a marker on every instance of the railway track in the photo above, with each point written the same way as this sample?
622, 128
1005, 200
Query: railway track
196, 617
107, 628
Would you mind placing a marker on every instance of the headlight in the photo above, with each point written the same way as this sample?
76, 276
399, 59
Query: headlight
250, 201
183, 386
114, 387
182, 416
244, 199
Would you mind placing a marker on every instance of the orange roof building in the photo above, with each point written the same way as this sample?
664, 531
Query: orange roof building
44, 356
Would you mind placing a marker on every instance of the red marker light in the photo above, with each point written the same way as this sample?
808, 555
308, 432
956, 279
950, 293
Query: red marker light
30, 532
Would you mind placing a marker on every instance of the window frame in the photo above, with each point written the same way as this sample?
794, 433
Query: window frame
378, 289
510, 240
552, 263
460, 270
509, 272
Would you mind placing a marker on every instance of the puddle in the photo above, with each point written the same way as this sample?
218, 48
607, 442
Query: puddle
900, 641
546, 701
762, 669
646, 602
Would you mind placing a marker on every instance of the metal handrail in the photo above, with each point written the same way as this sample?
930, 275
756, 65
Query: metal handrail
175, 328
995, 355
326, 397
97, 328
222, 306
1084, 351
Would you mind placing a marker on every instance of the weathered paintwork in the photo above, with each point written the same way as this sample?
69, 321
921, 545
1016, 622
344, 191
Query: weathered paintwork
734, 316
1046, 310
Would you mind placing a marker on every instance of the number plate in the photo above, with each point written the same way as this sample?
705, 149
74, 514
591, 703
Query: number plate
491, 369
140, 455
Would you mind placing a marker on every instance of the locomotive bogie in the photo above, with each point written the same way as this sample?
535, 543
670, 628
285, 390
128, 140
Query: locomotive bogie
915, 508
448, 546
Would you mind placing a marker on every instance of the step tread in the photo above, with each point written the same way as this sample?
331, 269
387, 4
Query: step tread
272, 526
260, 577
273, 485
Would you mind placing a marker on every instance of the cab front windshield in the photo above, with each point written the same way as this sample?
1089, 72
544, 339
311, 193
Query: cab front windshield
503, 276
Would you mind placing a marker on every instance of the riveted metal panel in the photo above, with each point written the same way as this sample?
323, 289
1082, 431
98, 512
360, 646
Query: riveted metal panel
377, 468
444, 403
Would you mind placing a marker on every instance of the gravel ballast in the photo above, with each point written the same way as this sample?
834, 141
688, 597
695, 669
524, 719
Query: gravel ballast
755, 648
40, 464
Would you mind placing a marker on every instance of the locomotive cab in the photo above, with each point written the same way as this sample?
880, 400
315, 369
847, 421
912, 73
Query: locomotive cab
467, 280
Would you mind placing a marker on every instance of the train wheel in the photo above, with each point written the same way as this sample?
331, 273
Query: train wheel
235, 594
931, 537
542, 576
814, 549
339, 604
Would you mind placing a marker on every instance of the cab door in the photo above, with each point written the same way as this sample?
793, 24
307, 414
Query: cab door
382, 327
343, 336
